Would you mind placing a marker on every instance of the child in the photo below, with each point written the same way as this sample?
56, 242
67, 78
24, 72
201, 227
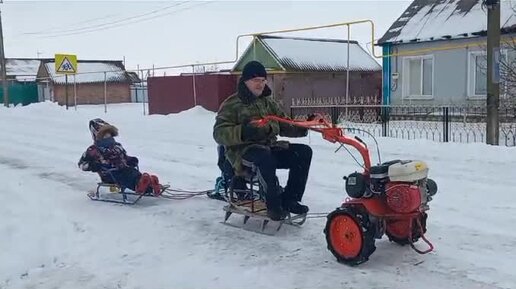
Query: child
109, 159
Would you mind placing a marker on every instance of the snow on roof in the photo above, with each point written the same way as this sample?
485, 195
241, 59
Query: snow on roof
91, 72
309, 54
427, 20
22, 69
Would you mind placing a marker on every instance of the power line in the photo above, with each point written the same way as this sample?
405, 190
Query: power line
56, 29
107, 24
90, 27
127, 23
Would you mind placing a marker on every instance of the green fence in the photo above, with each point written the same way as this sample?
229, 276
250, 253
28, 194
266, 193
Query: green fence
21, 93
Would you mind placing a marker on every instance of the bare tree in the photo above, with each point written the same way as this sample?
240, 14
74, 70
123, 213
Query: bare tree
508, 70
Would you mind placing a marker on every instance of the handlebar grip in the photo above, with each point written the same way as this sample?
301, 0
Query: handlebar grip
360, 140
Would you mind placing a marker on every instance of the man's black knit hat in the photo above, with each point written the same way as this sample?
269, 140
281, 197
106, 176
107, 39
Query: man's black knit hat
253, 69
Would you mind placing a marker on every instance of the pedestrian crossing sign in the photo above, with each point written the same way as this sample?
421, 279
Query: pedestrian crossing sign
66, 63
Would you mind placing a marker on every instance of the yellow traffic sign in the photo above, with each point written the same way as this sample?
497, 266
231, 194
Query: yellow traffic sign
66, 63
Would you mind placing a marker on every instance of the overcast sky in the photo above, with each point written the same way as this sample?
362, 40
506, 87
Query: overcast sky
166, 33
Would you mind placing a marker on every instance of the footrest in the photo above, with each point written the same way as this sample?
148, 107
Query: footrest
246, 211
260, 212
256, 207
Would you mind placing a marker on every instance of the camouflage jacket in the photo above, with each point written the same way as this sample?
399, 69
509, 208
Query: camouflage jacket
244, 106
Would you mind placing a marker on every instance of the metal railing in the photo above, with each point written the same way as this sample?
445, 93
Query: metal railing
465, 124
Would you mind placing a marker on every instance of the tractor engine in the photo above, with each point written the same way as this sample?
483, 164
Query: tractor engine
404, 184
407, 192
403, 197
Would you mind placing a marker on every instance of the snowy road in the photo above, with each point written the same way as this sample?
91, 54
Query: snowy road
52, 236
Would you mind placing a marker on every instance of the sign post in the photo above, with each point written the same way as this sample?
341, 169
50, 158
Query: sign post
66, 64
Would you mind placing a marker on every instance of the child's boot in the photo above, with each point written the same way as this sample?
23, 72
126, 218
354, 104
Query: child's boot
156, 187
143, 184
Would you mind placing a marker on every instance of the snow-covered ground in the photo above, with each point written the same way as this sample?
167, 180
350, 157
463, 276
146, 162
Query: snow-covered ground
53, 236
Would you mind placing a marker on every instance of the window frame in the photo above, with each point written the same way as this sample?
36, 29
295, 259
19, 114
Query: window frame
406, 77
471, 77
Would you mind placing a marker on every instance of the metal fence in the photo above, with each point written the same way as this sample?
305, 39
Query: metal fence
20, 92
139, 92
439, 123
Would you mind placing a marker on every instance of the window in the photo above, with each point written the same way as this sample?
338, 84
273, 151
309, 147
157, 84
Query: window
477, 74
480, 63
477, 80
419, 77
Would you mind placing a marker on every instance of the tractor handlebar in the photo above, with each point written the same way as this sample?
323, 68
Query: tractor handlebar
329, 132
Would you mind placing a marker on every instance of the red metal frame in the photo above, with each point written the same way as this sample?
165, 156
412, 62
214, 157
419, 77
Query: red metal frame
329, 132
375, 206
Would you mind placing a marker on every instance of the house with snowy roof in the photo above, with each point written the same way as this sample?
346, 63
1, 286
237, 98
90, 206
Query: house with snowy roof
21, 77
435, 53
96, 82
313, 71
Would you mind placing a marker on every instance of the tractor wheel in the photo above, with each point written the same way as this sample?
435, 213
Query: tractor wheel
397, 231
350, 235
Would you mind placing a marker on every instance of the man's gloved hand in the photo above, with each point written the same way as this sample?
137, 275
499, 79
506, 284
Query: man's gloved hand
301, 131
253, 132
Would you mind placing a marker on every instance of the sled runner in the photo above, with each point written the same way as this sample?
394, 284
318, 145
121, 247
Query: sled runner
120, 195
256, 209
250, 203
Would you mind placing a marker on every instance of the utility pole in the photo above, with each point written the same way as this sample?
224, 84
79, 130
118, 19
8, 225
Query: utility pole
493, 70
3, 63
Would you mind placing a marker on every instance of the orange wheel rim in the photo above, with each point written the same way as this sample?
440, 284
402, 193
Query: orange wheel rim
346, 236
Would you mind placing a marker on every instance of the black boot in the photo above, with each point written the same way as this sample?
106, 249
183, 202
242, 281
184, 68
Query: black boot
295, 207
277, 213
274, 208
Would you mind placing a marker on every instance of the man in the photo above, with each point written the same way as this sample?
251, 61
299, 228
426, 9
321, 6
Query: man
249, 146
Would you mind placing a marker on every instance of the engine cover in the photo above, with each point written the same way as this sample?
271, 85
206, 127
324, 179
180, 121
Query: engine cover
379, 176
408, 171
355, 185
403, 197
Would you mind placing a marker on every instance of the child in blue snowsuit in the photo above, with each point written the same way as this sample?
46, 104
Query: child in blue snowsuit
109, 159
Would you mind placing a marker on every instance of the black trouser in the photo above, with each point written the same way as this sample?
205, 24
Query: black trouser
224, 165
265, 161
228, 172
127, 177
